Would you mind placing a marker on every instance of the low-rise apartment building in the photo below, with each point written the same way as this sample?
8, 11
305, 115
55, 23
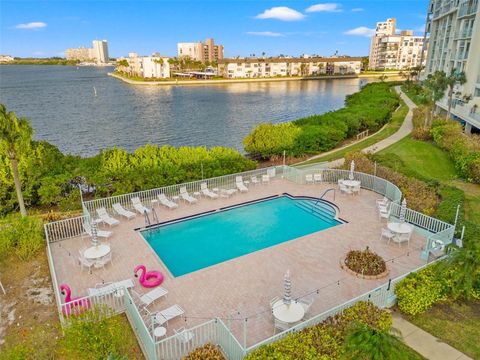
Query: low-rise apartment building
153, 66
454, 45
271, 67
389, 50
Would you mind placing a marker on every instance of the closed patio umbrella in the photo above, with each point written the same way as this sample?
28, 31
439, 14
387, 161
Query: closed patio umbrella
287, 285
352, 169
403, 210
94, 234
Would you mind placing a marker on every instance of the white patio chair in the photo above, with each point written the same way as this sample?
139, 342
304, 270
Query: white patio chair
265, 179
106, 218
345, 189
137, 205
185, 336
386, 233
167, 202
100, 233
149, 297
384, 214
309, 179
401, 238
306, 304
110, 287
186, 196
100, 263
340, 182
122, 212
356, 189
254, 180
207, 192
240, 185
274, 300
280, 325
226, 193
382, 202
170, 313
317, 178
84, 262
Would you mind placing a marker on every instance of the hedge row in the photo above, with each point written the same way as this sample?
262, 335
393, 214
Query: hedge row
463, 149
369, 108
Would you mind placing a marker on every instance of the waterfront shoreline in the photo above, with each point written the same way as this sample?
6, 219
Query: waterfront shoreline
254, 80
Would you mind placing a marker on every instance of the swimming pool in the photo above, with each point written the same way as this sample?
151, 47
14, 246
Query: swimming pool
195, 243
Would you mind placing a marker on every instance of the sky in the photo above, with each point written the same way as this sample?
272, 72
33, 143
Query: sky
46, 28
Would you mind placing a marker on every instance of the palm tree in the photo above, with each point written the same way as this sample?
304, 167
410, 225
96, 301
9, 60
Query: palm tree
464, 264
15, 134
366, 343
455, 77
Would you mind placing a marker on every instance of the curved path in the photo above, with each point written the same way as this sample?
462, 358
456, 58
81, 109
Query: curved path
404, 130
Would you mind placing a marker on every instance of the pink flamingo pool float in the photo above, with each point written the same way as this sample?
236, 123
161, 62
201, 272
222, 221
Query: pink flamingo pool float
74, 306
148, 279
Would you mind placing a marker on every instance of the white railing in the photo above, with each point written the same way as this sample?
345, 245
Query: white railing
146, 196
56, 289
421, 220
65, 229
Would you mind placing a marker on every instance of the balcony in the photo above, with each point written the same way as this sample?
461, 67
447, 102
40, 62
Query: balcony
467, 9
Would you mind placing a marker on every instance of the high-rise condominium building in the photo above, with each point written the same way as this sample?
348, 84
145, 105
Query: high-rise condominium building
98, 53
389, 50
454, 45
199, 51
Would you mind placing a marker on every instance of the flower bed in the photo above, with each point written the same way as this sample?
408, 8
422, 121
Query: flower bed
206, 352
365, 263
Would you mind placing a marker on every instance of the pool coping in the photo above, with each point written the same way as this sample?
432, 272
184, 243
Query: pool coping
227, 208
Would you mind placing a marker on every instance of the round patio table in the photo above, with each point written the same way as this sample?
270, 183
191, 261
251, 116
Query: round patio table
97, 252
351, 183
288, 313
399, 228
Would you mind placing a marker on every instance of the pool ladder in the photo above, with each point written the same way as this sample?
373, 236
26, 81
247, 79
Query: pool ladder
325, 193
147, 218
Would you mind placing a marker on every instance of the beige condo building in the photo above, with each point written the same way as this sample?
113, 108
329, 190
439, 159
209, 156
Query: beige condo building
208, 51
454, 45
389, 50
97, 53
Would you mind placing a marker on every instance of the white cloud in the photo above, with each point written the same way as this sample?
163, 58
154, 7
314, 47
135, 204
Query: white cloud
281, 13
361, 31
31, 25
265, 33
358, 9
327, 7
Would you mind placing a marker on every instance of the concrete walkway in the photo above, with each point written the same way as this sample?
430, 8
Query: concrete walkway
403, 131
425, 343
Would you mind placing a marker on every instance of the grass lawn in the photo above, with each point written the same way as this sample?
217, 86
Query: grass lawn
457, 324
424, 158
391, 128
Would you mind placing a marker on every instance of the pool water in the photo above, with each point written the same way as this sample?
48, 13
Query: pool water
195, 243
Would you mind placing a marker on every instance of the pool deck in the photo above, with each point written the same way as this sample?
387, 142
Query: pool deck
243, 287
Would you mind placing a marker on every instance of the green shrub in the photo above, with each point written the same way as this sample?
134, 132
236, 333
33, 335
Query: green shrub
205, 352
420, 290
324, 341
21, 236
369, 108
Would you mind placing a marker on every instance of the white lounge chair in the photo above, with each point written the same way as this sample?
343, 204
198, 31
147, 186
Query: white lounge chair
122, 212
265, 179
226, 193
100, 233
151, 296
167, 202
170, 313
110, 287
106, 218
240, 185
386, 233
207, 192
137, 205
309, 179
186, 196
317, 178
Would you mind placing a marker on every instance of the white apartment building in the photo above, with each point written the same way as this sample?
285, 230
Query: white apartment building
97, 53
389, 50
153, 66
208, 51
454, 44
6, 58
271, 67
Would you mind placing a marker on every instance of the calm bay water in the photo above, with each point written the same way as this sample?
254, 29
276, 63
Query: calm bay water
60, 102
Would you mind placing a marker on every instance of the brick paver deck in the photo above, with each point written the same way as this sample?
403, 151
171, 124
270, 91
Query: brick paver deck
243, 286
